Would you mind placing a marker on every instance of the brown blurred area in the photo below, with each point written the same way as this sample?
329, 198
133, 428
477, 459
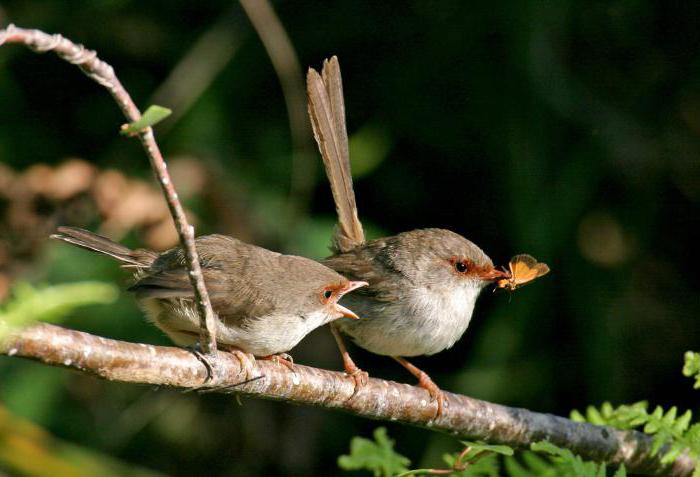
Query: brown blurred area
33, 202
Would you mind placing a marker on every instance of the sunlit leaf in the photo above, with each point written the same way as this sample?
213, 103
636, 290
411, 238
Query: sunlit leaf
153, 115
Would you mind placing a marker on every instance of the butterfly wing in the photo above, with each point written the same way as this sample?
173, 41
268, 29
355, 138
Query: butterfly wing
524, 269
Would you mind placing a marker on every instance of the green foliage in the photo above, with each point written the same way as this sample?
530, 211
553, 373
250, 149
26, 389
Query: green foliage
477, 460
153, 115
691, 368
377, 456
627, 416
29, 304
667, 428
564, 463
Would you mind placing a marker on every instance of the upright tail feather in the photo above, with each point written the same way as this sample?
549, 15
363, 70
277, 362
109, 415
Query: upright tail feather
327, 112
90, 241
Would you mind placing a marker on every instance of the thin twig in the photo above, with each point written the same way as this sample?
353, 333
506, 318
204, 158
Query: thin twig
286, 64
102, 73
462, 417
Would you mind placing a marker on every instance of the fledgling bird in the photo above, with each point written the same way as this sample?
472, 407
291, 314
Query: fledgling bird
423, 284
265, 302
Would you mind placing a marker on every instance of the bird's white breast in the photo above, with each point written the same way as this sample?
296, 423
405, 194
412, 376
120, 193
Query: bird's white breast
426, 321
261, 336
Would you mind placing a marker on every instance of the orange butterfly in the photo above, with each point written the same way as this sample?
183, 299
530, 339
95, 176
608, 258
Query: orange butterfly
523, 269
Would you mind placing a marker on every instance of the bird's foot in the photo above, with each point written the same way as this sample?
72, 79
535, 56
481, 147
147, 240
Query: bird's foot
204, 359
246, 360
425, 382
281, 358
360, 377
436, 393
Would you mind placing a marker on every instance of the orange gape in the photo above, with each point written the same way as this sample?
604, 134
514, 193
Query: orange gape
523, 269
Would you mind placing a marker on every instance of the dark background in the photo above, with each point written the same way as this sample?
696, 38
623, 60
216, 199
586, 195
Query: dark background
568, 130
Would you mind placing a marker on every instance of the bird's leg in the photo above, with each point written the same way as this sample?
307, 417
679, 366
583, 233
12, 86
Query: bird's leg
281, 358
360, 377
425, 382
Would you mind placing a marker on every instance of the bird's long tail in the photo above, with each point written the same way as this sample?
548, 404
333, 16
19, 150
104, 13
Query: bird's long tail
327, 112
91, 241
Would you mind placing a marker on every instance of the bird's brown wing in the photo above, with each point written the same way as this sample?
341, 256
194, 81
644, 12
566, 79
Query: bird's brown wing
234, 296
327, 112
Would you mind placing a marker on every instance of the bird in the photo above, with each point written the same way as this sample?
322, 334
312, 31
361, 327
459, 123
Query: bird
265, 302
423, 284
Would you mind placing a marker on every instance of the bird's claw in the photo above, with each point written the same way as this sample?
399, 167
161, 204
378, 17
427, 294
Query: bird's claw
283, 359
246, 360
204, 359
360, 377
436, 394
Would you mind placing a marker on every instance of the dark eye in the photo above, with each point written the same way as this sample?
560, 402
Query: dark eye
461, 267
327, 294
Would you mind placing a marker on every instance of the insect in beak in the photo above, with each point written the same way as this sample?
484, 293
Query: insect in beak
523, 269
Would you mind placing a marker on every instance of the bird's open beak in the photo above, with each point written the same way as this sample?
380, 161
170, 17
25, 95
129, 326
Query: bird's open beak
346, 313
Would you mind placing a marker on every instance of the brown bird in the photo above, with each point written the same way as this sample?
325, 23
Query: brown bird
423, 284
265, 302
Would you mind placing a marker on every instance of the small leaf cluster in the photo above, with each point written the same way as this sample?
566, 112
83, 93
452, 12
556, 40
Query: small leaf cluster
671, 433
476, 460
561, 463
377, 456
691, 368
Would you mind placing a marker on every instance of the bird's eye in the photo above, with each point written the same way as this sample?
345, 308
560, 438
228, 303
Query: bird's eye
327, 294
461, 266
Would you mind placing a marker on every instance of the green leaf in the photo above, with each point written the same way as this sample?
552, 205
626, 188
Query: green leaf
153, 115
692, 366
681, 425
29, 304
567, 463
594, 416
607, 409
692, 437
601, 471
548, 447
621, 472
537, 464
657, 442
670, 416
478, 447
577, 416
673, 453
516, 469
377, 456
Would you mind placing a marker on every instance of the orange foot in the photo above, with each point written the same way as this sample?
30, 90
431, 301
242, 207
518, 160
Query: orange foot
425, 382
281, 358
360, 377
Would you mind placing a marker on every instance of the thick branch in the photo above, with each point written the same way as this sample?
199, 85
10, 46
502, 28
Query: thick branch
102, 73
463, 417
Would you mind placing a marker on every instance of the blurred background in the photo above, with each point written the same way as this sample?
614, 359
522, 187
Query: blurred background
567, 130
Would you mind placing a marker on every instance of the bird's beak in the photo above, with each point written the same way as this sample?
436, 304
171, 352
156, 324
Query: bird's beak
492, 274
344, 312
